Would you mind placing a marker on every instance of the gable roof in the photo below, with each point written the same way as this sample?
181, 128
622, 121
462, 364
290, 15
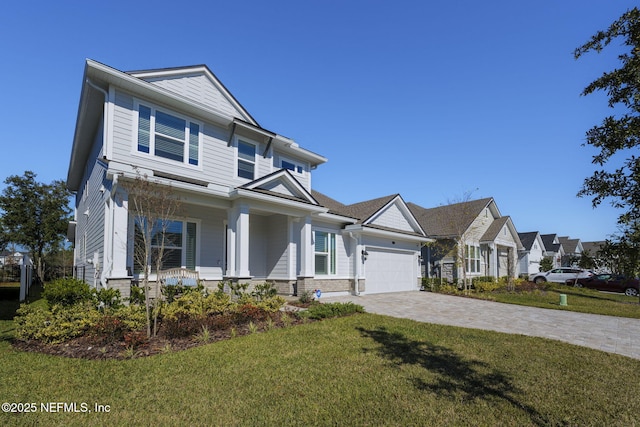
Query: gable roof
368, 212
449, 220
166, 78
281, 184
592, 247
570, 246
494, 229
98, 78
528, 239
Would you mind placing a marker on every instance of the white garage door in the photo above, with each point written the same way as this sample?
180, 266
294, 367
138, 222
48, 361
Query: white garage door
390, 271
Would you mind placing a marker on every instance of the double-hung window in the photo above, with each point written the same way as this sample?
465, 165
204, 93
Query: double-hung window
246, 159
175, 241
325, 252
168, 135
472, 261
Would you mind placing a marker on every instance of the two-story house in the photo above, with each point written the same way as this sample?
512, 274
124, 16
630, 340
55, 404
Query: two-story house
490, 241
249, 213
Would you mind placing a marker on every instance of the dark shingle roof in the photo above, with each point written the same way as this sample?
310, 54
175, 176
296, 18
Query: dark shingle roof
527, 239
361, 210
494, 229
548, 239
569, 245
448, 220
592, 247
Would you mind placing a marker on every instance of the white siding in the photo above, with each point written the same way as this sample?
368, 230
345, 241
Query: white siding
200, 89
212, 240
258, 239
90, 203
217, 162
278, 247
393, 217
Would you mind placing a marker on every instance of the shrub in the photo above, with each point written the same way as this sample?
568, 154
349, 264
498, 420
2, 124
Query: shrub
172, 292
108, 298
484, 279
487, 286
335, 309
248, 312
306, 297
136, 295
272, 304
432, 283
133, 317
108, 329
58, 324
67, 291
264, 291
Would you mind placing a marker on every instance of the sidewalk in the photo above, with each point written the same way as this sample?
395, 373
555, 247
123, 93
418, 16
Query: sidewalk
611, 334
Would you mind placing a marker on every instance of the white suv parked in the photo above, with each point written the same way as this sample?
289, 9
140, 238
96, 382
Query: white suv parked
559, 275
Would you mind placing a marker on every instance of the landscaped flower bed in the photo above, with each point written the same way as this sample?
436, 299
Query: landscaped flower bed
80, 322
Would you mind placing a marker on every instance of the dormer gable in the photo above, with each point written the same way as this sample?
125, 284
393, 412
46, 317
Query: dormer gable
394, 215
281, 183
198, 84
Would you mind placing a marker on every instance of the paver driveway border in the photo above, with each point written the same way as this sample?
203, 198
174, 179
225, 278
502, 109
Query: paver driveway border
607, 333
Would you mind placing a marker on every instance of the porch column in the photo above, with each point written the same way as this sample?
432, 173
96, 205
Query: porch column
239, 241
116, 254
306, 249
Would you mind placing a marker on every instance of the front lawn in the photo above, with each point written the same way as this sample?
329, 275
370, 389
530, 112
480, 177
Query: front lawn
358, 370
547, 295
578, 299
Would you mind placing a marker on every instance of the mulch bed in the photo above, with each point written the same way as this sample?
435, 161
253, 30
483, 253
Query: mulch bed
88, 347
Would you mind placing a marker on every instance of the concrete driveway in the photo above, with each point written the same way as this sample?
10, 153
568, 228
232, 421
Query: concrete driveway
612, 334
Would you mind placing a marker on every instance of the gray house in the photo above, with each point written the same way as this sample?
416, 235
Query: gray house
249, 211
490, 240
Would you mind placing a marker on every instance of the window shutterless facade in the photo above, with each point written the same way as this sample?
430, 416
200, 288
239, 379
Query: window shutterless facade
472, 258
168, 135
178, 239
246, 159
294, 167
325, 253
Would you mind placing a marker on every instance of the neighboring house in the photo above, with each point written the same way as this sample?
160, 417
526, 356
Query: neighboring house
592, 249
572, 251
553, 249
11, 258
532, 253
250, 214
491, 241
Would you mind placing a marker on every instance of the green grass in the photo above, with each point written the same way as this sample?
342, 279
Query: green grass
578, 299
358, 370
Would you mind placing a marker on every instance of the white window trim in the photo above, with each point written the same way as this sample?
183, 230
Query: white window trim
238, 159
335, 255
150, 155
183, 260
296, 165
477, 260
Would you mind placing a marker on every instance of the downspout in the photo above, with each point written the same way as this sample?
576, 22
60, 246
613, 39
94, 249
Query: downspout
105, 140
105, 130
356, 289
109, 244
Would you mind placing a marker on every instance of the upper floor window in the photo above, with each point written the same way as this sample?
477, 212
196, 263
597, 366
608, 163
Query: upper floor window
292, 166
325, 252
168, 135
246, 160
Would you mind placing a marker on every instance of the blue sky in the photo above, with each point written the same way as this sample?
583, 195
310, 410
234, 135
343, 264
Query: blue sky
431, 100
